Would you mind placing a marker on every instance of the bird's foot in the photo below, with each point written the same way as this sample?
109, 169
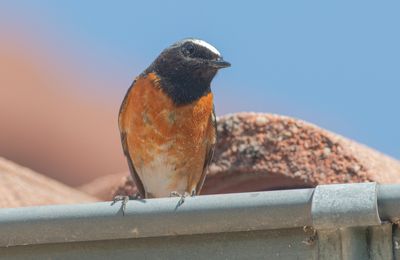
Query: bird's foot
182, 196
124, 200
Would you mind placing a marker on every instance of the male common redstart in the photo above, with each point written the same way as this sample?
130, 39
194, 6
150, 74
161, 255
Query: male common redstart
167, 120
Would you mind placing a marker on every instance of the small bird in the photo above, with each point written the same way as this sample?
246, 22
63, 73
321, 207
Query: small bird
167, 120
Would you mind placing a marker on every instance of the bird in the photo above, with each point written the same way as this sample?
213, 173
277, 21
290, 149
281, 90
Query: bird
167, 120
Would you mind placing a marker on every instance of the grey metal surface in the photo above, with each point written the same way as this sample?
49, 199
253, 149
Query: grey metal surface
380, 242
389, 202
396, 242
260, 225
355, 243
344, 205
329, 244
156, 217
269, 244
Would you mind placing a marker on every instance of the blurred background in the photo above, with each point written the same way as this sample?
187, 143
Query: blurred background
66, 65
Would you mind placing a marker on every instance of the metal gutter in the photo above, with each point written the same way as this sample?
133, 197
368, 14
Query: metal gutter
156, 217
344, 220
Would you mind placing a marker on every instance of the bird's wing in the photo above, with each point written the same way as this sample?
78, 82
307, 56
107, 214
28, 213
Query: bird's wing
124, 142
209, 151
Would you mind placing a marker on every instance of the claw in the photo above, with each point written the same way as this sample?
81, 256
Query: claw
182, 196
124, 200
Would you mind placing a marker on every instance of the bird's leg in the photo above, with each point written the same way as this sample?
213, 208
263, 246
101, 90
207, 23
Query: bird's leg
177, 194
125, 199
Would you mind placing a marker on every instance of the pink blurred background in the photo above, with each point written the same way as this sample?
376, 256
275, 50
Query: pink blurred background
50, 121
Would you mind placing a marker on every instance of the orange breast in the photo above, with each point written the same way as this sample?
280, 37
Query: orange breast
167, 143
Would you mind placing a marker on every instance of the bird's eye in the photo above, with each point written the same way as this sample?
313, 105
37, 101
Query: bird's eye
188, 49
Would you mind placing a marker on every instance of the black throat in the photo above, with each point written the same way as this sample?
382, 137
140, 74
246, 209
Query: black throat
183, 84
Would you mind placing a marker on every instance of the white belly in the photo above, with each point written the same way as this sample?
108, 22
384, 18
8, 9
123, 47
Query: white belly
158, 177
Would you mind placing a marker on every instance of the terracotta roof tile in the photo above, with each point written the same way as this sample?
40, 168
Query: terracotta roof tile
21, 187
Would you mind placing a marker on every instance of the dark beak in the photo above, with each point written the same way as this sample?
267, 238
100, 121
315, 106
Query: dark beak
219, 64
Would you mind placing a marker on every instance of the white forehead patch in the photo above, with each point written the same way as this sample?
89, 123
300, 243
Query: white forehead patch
206, 45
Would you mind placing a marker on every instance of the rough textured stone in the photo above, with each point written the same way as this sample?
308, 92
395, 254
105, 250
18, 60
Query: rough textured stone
20, 187
267, 152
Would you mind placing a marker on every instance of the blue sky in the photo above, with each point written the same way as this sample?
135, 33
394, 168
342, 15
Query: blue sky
333, 63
